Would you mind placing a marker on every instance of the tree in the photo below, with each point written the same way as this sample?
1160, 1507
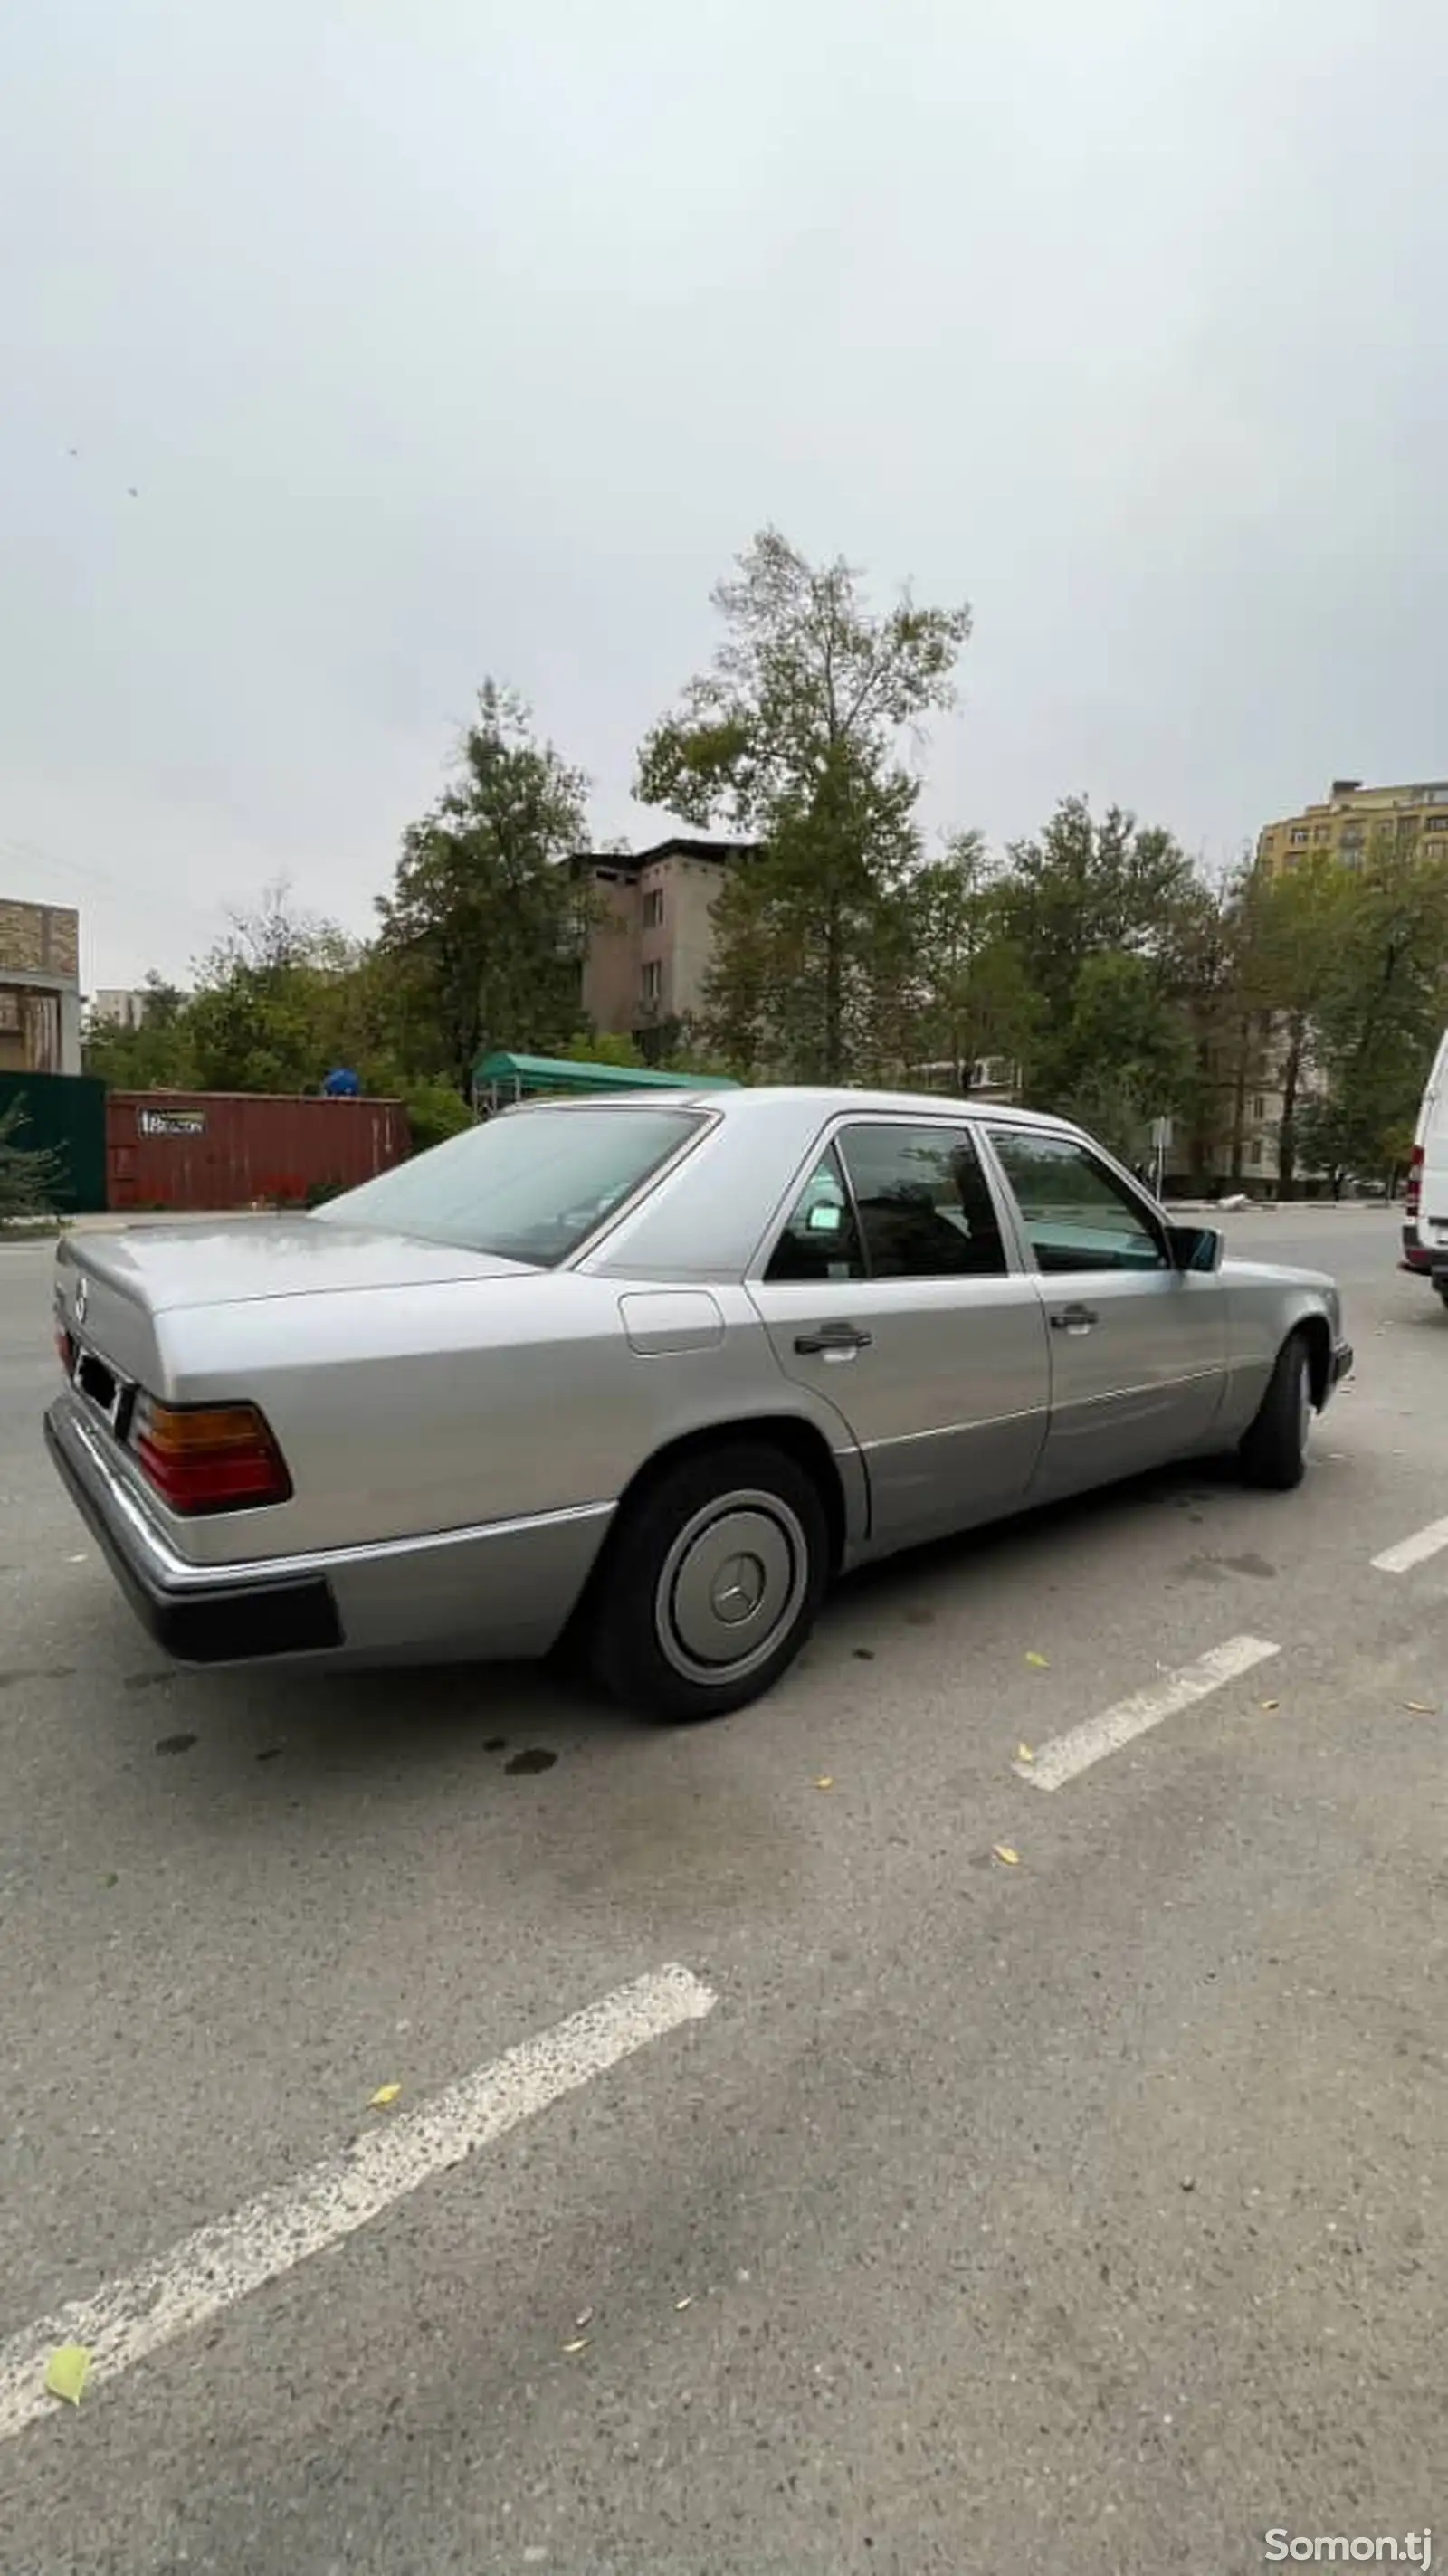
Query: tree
793, 739
1381, 1011
149, 1055
968, 988
31, 1176
482, 933
275, 1006
1086, 887
1124, 1054
1294, 927
1106, 919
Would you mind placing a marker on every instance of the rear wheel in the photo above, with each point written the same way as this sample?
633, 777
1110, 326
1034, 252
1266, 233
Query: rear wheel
711, 1583
1274, 1451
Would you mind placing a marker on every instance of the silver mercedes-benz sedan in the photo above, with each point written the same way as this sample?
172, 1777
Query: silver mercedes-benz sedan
647, 1374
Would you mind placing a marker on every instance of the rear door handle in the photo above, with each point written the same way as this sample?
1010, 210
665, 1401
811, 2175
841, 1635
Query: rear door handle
839, 1341
1074, 1319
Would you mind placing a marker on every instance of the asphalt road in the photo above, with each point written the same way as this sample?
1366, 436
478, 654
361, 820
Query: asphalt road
1076, 2214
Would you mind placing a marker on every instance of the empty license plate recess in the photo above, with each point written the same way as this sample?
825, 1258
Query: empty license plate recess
105, 1392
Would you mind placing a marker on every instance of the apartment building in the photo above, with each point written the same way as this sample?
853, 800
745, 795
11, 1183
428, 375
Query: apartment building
651, 942
118, 1008
39, 988
1343, 825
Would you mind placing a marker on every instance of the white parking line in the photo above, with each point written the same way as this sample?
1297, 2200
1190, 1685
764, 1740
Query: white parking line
1065, 1755
1412, 1551
223, 2262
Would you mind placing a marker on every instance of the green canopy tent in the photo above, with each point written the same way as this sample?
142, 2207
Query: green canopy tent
501, 1078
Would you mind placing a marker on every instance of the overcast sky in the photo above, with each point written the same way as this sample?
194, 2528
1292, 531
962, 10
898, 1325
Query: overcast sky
445, 339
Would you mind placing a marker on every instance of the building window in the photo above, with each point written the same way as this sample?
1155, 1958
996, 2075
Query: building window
1298, 839
653, 908
1259, 1107
653, 980
1322, 832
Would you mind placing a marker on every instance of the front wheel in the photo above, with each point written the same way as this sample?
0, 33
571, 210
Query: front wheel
711, 1583
1274, 1451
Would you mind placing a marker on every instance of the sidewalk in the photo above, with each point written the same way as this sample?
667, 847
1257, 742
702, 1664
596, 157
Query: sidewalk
23, 1230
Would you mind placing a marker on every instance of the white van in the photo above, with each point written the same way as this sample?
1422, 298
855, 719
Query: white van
1425, 1206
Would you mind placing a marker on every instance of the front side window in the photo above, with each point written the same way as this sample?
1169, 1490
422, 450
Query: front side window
1078, 1215
530, 1186
925, 1206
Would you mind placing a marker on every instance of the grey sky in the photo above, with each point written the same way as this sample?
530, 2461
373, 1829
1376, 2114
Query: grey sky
453, 339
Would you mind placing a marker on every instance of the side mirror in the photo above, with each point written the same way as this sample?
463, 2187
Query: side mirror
1195, 1247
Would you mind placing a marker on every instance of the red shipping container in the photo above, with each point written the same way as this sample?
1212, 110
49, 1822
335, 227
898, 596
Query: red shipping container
237, 1149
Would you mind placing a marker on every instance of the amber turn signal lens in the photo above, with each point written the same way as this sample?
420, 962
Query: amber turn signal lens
209, 1457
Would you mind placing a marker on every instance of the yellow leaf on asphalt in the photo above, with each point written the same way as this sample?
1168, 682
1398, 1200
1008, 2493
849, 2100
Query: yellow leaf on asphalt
825, 1783
1003, 1851
384, 2097
1042, 1663
1024, 1753
580, 2343
681, 2304
67, 2371
1419, 1707
1272, 1703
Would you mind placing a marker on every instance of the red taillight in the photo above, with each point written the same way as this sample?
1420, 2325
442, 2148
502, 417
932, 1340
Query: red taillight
208, 1457
1412, 1195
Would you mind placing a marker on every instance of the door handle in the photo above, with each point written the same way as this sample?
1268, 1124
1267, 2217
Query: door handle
838, 1340
1074, 1319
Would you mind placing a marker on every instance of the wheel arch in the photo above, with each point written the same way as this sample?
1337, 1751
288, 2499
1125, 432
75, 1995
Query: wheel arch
1315, 1331
799, 1439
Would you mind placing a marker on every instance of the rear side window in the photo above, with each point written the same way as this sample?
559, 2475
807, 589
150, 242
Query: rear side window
821, 1240
925, 1206
530, 1186
1078, 1215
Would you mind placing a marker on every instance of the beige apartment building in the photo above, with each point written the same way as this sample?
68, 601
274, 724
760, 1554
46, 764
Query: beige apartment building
39, 988
649, 949
1342, 826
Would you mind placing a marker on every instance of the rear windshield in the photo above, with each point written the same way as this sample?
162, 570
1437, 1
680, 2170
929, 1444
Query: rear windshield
529, 1186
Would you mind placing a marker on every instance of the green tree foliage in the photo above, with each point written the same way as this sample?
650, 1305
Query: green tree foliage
482, 932
1294, 931
1379, 1012
793, 739
1108, 923
1085, 887
1124, 1053
968, 991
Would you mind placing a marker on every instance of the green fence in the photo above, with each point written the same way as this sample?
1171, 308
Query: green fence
66, 1113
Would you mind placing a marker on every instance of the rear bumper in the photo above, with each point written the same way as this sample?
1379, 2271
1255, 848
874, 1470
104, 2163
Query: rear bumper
193, 1613
1417, 1255
496, 1591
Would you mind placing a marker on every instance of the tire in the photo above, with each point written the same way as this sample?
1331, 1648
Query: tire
730, 1539
1274, 1451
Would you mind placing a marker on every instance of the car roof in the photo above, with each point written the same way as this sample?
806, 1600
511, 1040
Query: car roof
825, 1099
